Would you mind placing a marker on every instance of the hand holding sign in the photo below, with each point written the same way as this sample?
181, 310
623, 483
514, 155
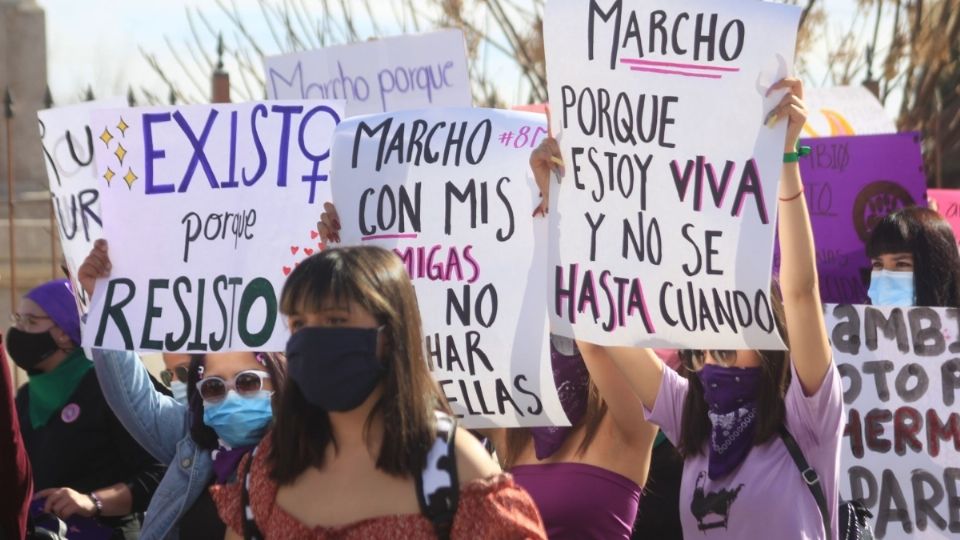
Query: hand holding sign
793, 107
95, 266
544, 161
329, 225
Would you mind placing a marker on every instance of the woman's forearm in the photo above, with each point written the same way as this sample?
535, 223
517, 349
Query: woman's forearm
798, 263
117, 500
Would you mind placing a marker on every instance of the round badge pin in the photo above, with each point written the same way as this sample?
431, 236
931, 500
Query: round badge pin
70, 413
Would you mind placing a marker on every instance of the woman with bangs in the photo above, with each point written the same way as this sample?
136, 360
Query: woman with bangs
228, 407
361, 419
914, 260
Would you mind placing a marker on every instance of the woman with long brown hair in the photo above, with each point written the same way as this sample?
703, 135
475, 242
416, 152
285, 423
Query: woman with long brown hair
364, 445
738, 417
586, 479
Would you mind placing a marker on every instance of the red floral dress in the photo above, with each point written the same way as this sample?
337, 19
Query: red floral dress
491, 508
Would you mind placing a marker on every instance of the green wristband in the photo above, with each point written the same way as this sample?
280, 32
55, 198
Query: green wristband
793, 157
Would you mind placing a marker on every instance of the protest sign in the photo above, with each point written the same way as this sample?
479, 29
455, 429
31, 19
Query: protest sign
948, 204
451, 192
67, 142
391, 74
845, 110
850, 184
900, 452
207, 208
663, 228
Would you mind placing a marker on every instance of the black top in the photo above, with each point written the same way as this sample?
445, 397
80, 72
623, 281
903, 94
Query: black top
201, 521
91, 451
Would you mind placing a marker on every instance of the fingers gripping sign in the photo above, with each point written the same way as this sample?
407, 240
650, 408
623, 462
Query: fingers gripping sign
329, 224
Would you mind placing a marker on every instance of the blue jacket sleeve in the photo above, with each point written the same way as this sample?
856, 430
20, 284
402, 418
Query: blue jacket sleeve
155, 420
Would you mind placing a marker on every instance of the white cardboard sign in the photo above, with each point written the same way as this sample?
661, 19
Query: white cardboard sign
451, 192
68, 141
901, 445
391, 74
662, 229
206, 208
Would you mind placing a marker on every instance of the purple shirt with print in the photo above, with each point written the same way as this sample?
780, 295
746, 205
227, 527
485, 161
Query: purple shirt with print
765, 497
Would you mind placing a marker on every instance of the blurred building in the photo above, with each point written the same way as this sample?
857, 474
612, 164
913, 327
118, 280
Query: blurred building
23, 72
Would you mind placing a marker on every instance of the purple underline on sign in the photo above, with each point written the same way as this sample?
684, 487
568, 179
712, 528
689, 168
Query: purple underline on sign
671, 72
388, 236
639, 62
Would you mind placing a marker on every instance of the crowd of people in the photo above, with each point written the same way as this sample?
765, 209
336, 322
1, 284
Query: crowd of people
346, 435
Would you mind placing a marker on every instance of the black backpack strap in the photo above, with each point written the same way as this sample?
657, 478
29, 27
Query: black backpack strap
438, 486
809, 475
250, 529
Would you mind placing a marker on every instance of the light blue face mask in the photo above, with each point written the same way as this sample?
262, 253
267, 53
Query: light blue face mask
889, 288
239, 421
179, 390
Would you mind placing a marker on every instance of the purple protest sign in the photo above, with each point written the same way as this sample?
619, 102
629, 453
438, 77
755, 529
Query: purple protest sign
850, 184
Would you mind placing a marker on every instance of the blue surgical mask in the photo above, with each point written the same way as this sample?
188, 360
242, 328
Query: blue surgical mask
179, 390
239, 421
889, 288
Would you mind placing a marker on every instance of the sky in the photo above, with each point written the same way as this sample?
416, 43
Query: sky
108, 58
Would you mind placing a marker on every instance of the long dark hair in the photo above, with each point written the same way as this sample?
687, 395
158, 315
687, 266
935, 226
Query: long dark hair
375, 279
928, 237
203, 435
771, 411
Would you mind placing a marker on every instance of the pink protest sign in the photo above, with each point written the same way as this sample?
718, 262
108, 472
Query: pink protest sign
947, 202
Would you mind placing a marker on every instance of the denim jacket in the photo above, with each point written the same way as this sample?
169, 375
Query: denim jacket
162, 427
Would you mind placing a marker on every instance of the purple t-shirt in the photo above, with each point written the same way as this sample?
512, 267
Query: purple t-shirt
765, 497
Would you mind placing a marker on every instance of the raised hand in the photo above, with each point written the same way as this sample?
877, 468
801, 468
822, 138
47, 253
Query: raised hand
544, 160
329, 224
96, 265
792, 107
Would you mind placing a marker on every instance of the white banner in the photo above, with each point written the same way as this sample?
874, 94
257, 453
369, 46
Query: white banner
451, 192
845, 110
662, 229
391, 74
207, 208
901, 389
68, 151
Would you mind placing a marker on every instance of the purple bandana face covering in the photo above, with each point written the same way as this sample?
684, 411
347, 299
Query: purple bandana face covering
731, 395
226, 460
573, 385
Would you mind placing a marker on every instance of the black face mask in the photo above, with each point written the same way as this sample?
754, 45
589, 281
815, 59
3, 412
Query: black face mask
27, 350
335, 369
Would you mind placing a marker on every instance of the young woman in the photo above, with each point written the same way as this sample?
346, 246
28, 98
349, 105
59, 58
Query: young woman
915, 260
725, 414
175, 374
358, 424
86, 468
587, 479
229, 408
